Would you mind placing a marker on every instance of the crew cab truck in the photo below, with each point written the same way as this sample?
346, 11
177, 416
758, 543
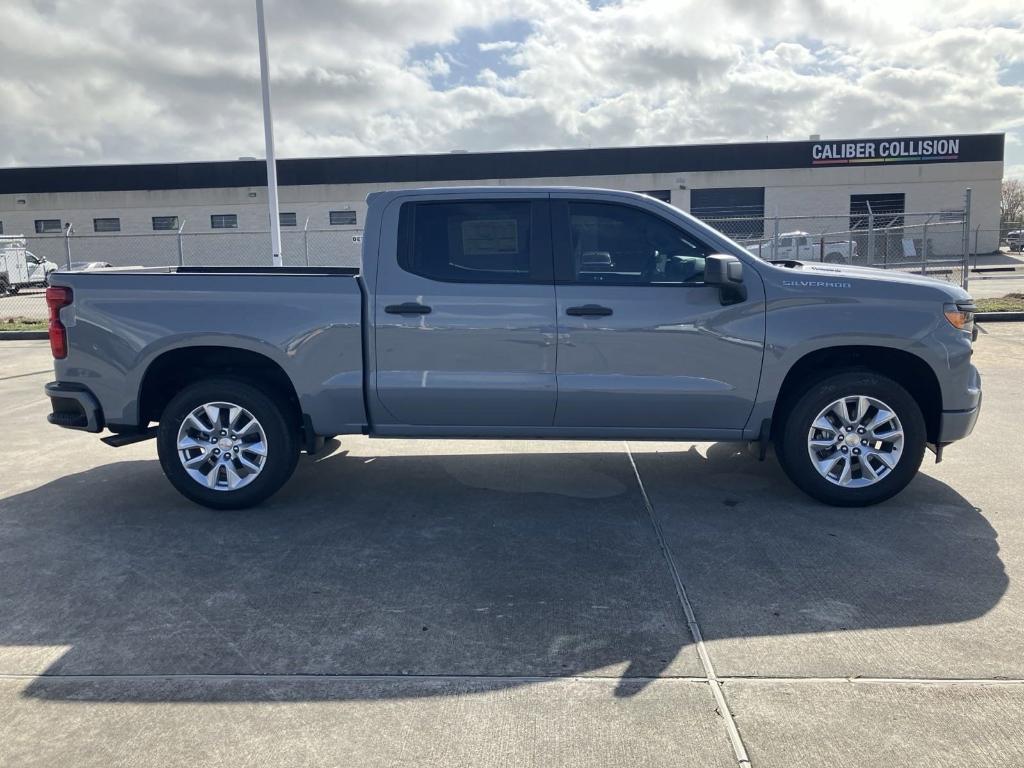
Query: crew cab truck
519, 313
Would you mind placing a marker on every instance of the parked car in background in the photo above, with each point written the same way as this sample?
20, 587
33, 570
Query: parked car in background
803, 246
1015, 240
19, 267
519, 312
85, 266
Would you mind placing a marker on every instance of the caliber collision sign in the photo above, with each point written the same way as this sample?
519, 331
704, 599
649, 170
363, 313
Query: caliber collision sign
885, 151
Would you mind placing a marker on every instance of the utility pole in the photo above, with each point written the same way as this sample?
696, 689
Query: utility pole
268, 133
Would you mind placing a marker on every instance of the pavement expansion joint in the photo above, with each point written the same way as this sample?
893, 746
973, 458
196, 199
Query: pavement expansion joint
739, 750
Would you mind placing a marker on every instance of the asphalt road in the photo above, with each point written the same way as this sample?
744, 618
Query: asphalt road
509, 603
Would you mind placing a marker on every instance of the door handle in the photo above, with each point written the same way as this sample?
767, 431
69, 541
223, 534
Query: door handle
408, 308
589, 310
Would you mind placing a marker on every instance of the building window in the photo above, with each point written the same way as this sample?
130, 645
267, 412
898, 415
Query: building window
736, 211
287, 219
46, 226
882, 209
224, 221
343, 218
165, 222
106, 225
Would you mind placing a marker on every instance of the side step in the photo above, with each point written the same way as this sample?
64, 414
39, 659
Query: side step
120, 439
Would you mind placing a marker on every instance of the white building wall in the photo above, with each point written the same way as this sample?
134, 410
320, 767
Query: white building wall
788, 192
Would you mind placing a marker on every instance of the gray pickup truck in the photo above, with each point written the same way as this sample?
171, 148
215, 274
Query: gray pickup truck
519, 313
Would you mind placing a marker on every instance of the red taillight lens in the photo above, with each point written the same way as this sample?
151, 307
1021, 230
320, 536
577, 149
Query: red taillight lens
57, 297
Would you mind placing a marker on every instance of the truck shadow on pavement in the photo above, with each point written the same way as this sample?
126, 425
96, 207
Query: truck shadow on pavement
507, 566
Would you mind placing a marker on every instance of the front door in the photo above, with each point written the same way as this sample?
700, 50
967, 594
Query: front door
643, 343
465, 315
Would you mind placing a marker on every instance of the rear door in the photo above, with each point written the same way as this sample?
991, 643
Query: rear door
464, 314
644, 344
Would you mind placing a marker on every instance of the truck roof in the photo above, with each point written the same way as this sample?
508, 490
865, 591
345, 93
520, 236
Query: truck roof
495, 189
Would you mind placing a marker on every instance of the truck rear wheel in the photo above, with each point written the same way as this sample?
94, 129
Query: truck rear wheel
853, 439
226, 444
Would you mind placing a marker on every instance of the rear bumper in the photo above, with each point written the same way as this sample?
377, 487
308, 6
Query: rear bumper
74, 407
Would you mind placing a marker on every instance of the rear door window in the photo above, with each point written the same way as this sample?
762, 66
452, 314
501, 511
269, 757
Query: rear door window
501, 241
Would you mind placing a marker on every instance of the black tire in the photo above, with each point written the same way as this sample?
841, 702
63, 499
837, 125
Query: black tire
4, 287
13, 290
834, 258
270, 409
791, 439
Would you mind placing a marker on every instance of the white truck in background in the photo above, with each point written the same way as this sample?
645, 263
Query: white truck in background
803, 246
19, 267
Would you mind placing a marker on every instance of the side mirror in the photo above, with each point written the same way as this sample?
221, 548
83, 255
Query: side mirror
726, 272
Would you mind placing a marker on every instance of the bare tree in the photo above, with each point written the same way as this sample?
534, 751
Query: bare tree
1011, 201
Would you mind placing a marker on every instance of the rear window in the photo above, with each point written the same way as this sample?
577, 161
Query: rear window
486, 242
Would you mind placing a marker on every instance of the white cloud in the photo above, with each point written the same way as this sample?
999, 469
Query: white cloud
130, 80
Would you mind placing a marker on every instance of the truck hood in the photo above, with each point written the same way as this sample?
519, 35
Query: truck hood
835, 271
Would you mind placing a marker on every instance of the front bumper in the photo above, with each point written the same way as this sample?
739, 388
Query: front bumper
956, 425
74, 407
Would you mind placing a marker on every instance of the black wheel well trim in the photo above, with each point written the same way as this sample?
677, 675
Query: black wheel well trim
170, 371
910, 371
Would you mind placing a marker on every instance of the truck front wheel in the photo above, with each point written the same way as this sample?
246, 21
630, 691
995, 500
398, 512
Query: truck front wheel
852, 439
226, 444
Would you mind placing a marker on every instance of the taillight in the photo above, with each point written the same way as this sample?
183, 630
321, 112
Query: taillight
56, 298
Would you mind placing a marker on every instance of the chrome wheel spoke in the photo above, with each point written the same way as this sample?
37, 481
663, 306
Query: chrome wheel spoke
213, 414
823, 424
258, 448
196, 423
248, 427
189, 442
862, 410
847, 474
883, 416
232, 476
251, 466
825, 466
887, 459
195, 462
866, 469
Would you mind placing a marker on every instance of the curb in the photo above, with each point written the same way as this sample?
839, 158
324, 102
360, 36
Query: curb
998, 317
23, 335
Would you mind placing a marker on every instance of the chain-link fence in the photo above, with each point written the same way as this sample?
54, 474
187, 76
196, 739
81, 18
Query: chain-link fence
931, 243
1010, 237
30, 257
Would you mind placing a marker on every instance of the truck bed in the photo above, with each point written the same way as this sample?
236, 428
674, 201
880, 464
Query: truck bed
126, 327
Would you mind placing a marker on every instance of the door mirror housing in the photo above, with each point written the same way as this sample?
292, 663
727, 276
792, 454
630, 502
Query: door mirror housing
726, 272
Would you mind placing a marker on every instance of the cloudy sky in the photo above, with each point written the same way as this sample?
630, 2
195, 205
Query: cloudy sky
98, 81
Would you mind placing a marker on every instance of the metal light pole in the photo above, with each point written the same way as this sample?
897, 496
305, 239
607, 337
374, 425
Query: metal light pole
268, 133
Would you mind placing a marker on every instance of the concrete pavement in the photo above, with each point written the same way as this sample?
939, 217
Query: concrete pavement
507, 603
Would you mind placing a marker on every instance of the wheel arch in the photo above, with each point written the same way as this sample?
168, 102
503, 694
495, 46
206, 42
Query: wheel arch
170, 371
907, 369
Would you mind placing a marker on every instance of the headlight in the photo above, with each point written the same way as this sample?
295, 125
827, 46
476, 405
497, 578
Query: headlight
960, 315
